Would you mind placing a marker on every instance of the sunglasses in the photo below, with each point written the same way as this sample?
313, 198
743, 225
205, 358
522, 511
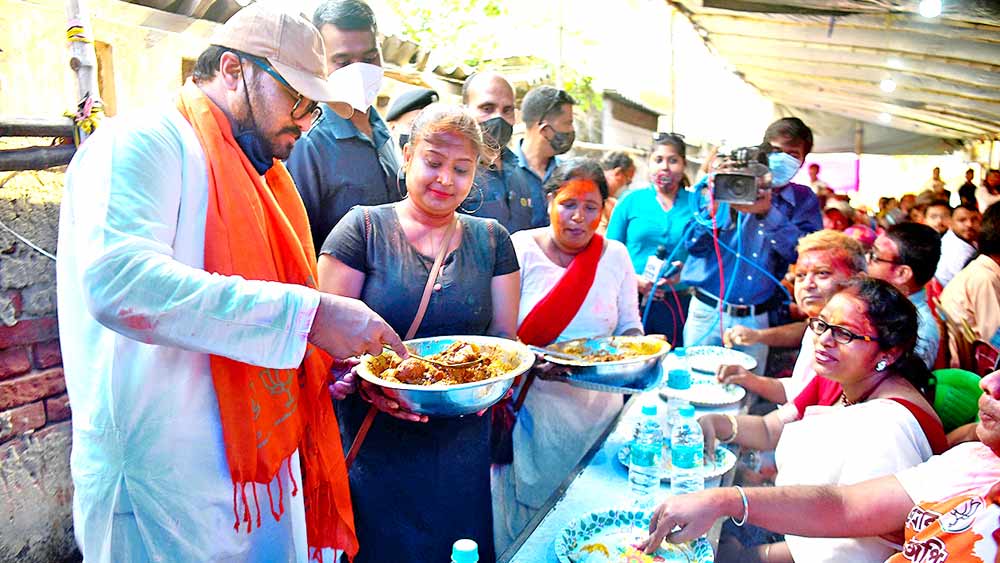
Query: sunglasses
840, 334
300, 109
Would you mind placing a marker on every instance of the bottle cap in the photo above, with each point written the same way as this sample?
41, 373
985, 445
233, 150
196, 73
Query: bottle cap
687, 411
649, 410
465, 551
661, 252
680, 352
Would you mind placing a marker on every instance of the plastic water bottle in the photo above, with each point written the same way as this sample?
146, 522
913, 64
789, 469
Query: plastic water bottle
654, 263
681, 359
687, 447
465, 551
644, 462
678, 378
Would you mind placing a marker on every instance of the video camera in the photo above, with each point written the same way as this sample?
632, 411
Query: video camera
738, 173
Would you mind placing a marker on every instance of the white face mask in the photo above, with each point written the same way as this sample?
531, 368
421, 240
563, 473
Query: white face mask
358, 84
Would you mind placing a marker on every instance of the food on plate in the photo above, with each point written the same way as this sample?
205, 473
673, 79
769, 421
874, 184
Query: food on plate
619, 548
390, 367
613, 351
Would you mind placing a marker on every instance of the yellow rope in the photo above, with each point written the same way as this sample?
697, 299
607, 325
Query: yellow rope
76, 33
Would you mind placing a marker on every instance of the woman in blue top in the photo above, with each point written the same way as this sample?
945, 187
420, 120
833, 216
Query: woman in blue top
657, 215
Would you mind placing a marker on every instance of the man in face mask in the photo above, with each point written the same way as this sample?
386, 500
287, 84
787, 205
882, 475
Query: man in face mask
348, 158
770, 229
503, 189
547, 113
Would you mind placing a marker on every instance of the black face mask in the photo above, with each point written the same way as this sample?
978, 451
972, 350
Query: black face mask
497, 130
257, 150
561, 142
403, 139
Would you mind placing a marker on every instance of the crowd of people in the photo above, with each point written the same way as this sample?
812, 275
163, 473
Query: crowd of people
212, 307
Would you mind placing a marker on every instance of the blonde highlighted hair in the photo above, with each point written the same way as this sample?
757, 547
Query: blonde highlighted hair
837, 242
438, 119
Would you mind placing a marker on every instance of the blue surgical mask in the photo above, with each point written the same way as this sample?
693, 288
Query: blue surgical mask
783, 167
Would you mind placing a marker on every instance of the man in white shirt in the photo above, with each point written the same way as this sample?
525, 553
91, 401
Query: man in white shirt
145, 321
959, 244
905, 256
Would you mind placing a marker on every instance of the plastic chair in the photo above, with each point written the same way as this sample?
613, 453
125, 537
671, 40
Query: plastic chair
956, 397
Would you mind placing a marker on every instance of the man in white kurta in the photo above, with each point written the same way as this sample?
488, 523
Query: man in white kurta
139, 317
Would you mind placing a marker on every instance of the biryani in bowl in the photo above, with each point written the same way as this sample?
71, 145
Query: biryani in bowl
423, 388
489, 361
624, 362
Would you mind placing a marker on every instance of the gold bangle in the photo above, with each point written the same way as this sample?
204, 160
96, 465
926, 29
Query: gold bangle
732, 424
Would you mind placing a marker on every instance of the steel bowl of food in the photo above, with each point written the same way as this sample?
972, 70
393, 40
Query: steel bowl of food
614, 361
490, 366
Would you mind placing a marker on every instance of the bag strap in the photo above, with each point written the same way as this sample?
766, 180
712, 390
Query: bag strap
366, 424
431, 280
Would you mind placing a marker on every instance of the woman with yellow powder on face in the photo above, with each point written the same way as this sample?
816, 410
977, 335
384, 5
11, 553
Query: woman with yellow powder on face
574, 284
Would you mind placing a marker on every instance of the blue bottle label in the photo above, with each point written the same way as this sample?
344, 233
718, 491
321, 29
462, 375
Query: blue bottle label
686, 456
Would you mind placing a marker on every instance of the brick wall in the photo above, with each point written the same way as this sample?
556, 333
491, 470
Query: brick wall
35, 487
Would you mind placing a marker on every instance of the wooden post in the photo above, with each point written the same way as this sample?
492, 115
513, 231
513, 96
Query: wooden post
82, 57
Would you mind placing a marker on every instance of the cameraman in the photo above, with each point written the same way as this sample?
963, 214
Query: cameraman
771, 228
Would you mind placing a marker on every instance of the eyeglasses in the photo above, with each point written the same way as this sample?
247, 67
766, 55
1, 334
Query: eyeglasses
840, 334
873, 257
300, 109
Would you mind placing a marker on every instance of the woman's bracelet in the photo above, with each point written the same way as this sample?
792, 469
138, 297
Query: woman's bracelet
746, 506
734, 425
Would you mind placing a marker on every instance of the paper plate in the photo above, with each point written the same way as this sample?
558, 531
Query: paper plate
724, 461
706, 392
612, 533
706, 359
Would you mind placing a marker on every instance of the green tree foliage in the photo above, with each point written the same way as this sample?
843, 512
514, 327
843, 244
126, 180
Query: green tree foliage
451, 29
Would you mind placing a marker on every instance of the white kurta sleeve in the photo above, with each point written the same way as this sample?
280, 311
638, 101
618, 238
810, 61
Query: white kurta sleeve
127, 187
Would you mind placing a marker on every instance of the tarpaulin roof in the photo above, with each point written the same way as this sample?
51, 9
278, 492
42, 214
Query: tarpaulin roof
832, 57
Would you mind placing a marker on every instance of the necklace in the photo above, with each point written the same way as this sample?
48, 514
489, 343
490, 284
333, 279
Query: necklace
864, 397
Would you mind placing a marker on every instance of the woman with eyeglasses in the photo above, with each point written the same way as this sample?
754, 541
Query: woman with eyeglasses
653, 216
882, 422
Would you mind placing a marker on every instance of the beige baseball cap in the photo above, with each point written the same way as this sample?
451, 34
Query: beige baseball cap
289, 42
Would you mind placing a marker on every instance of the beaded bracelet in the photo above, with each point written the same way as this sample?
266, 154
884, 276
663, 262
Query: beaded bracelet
746, 507
734, 425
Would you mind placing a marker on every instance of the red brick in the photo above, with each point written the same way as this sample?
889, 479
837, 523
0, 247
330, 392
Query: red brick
13, 361
20, 420
57, 408
46, 354
29, 331
29, 388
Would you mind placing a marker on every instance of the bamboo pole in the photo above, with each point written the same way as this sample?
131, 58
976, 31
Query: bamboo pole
35, 127
82, 57
36, 158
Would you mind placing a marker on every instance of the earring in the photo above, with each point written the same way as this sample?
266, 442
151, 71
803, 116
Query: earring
881, 365
400, 178
482, 199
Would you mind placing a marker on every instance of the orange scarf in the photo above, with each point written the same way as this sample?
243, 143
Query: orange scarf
261, 232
